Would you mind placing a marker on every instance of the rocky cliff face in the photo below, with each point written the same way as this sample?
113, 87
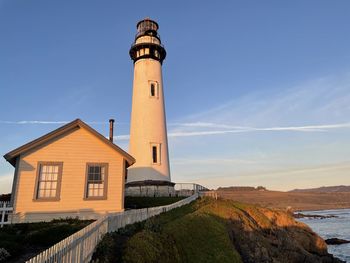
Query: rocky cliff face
221, 230
266, 235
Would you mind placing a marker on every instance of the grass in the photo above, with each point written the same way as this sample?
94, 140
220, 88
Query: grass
25, 240
190, 233
145, 202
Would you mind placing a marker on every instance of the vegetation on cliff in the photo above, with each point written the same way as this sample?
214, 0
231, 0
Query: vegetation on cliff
20, 242
136, 202
211, 230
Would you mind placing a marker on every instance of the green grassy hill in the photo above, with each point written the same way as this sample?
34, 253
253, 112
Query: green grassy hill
215, 231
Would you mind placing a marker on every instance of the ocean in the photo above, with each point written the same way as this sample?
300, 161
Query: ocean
338, 227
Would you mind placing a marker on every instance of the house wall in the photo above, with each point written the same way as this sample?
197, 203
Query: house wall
75, 150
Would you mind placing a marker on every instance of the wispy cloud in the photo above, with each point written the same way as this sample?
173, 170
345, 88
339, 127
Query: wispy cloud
46, 122
210, 161
33, 122
122, 137
206, 125
5, 183
241, 129
322, 100
288, 179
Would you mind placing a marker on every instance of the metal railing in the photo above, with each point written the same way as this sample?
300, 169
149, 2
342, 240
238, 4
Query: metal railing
187, 189
5, 211
212, 194
80, 246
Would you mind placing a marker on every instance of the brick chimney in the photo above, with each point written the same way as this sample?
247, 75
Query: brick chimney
111, 127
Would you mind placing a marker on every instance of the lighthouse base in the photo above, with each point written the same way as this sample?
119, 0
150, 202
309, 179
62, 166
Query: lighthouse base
150, 188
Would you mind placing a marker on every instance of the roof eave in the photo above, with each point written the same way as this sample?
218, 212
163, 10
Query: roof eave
12, 155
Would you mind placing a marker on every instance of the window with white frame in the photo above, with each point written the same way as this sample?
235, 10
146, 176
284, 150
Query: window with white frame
96, 179
155, 153
49, 180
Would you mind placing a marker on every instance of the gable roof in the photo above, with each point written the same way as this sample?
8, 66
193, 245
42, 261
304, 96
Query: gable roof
76, 124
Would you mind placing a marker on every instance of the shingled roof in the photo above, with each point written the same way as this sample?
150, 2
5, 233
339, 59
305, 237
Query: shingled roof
76, 124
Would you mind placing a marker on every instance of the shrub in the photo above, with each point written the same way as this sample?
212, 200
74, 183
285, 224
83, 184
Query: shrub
4, 254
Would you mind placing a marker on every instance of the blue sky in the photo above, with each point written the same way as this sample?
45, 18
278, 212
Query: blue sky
257, 92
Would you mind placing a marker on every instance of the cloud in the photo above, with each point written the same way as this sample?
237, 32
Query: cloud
288, 179
322, 100
122, 137
241, 129
6, 183
47, 122
211, 161
207, 125
317, 105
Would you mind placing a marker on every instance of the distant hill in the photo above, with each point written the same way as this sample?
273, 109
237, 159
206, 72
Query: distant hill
298, 201
242, 188
325, 189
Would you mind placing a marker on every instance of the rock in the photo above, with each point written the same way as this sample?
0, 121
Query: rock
300, 215
336, 241
267, 235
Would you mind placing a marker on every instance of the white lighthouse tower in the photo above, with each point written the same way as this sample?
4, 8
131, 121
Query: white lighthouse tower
150, 175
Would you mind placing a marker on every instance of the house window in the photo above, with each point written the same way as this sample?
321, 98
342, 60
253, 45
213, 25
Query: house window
155, 151
96, 181
153, 91
48, 180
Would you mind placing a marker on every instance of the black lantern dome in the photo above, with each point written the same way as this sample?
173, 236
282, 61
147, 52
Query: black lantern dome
147, 42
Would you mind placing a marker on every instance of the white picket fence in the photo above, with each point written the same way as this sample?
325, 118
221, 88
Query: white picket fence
5, 211
80, 246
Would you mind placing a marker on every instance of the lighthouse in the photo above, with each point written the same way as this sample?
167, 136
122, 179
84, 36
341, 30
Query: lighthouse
150, 175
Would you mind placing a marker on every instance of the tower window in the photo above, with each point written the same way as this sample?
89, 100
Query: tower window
154, 154
155, 151
153, 91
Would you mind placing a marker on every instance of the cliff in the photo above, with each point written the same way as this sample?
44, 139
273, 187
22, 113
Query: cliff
211, 230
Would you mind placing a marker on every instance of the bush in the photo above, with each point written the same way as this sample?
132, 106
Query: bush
31, 238
4, 254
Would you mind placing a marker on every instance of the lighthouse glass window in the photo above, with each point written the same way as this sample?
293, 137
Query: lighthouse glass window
96, 178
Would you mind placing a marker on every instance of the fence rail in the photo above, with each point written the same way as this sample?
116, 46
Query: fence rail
5, 211
80, 246
212, 194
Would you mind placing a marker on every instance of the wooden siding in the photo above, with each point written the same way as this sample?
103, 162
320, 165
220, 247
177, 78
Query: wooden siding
74, 149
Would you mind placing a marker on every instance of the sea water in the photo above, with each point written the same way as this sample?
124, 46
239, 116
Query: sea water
335, 227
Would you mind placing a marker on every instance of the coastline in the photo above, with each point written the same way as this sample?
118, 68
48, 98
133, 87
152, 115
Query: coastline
292, 201
323, 210
330, 228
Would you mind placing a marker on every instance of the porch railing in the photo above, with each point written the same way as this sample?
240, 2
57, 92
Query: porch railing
5, 211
